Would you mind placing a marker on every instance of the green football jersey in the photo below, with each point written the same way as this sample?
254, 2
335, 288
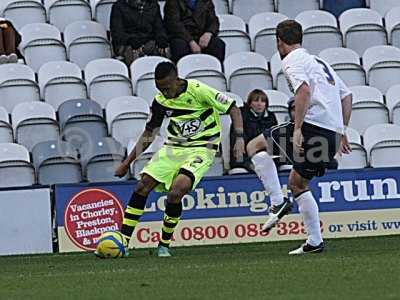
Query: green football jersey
194, 115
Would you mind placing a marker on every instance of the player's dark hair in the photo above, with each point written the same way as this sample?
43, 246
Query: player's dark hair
164, 69
290, 32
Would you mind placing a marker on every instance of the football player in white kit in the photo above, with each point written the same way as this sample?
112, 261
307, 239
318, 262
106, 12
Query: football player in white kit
322, 111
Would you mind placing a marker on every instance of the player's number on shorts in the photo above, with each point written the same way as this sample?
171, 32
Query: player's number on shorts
329, 76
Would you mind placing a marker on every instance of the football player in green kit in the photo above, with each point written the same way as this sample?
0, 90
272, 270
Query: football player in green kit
193, 138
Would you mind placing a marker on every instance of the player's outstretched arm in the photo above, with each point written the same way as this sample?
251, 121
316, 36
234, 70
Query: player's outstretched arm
237, 122
157, 117
142, 144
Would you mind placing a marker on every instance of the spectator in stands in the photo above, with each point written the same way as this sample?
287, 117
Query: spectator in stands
137, 29
256, 118
192, 27
336, 7
9, 41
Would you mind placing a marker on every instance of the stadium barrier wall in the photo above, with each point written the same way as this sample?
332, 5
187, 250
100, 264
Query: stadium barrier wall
353, 203
25, 221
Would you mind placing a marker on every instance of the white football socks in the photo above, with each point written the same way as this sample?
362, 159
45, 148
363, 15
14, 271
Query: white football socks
265, 168
308, 208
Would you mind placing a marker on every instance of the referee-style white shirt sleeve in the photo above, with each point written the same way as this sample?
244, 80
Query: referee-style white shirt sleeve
295, 73
343, 89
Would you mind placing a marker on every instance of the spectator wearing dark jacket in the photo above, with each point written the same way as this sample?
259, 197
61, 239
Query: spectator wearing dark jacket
9, 41
192, 27
336, 7
137, 29
256, 118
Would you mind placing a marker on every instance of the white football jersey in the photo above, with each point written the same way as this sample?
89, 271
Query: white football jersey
327, 89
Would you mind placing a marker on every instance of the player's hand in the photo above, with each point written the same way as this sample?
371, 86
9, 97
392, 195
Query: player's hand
194, 47
238, 149
344, 145
205, 40
298, 141
122, 170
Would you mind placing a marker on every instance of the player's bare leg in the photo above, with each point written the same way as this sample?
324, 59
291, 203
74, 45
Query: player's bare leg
136, 205
308, 208
265, 168
173, 210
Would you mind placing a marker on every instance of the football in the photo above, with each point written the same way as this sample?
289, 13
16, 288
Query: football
111, 244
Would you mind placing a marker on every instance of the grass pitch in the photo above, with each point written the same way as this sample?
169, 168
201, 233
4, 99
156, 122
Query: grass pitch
365, 268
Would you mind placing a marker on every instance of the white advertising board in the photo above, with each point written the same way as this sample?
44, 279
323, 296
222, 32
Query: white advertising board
25, 221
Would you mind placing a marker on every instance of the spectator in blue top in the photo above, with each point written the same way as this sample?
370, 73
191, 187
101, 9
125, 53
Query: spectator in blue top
336, 7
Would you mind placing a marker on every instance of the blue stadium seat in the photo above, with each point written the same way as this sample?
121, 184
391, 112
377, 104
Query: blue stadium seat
56, 162
82, 123
100, 165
